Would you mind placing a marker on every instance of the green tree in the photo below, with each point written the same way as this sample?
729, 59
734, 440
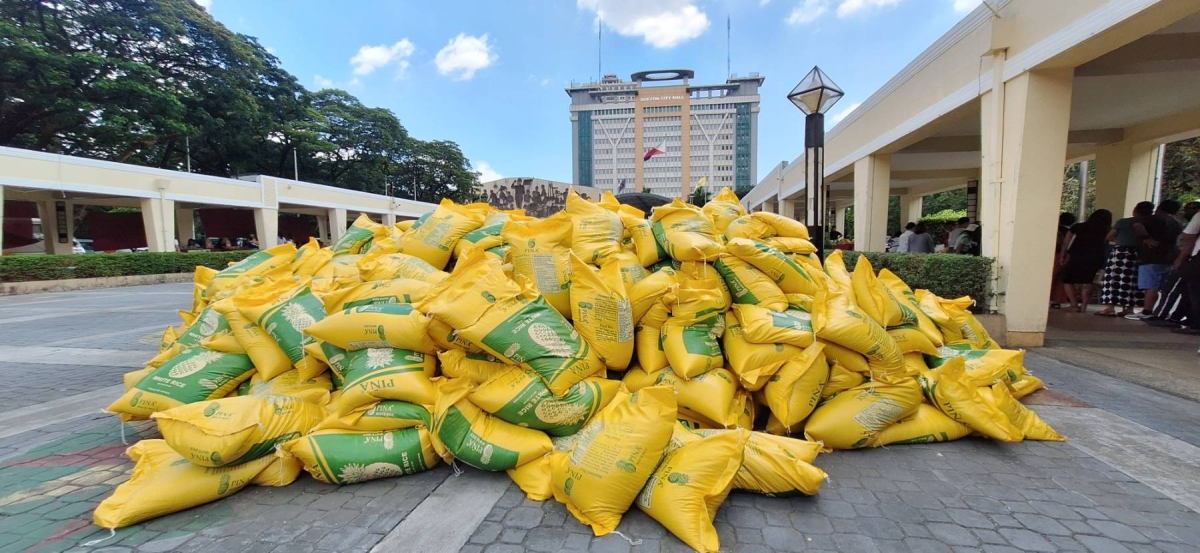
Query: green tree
955, 199
699, 196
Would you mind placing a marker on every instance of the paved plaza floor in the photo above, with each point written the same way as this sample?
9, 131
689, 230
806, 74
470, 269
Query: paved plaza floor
1128, 479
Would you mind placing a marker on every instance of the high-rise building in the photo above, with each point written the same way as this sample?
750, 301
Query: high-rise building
703, 132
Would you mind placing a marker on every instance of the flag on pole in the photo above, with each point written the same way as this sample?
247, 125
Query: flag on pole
621, 187
702, 183
655, 151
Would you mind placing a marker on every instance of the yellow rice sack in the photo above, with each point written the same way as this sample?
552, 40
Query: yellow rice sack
384, 325
520, 397
790, 276
434, 240
332, 356
223, 342
596, 231
345, 457
131, 378
754, 364
206, 324
852, 419
399, 290
340, 272
684, 232
641, 235
1026, 385
723, 209
795, 389
465, 432
607, 464
163, 482
307, 264
792, 326
848, 359
762, 224
778, 466
313, 390
201, 279
693, 345
649, 290
748, 285
690, 484
360, 232
512, 322
382, 416
710, 395
379, 266
256, 264
790, 245
386, 373
968, 326
488, 236
630, 268
848, 327
700, 293
647, 335
541, 253
984, 366
950, 391
194, 375
168, 339
840, 380
637, 378
1032, 426
476, 367
448, 338
927, 425
601, 312
284, 310
914, 363
231, 431
867, 293
904, 297
910, 339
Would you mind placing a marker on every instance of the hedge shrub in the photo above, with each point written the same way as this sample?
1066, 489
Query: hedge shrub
947, 275
23, 268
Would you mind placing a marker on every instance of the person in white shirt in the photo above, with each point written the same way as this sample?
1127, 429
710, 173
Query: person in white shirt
1188, 263
904, 237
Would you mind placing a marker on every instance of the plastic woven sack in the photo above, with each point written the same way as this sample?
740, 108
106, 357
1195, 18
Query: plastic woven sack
194, 375
601, 312
596, 231
385, 325
465, 432
723, 209
754, 364
852, 419
520, 397
927, 425
345, 457
234, 430
435, 239
541, 253
684, 232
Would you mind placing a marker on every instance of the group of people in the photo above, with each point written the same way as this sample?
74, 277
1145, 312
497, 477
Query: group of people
228, 244
1149, 260
964, 239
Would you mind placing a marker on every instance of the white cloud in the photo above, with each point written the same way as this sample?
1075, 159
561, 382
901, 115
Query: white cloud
965, 5
465, 55
850, 7
322, 82
807, 12
486, 173
837, 117
662, 23
370, 58
206, 4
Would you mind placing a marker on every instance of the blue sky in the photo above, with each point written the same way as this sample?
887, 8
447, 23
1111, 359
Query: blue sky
490, 75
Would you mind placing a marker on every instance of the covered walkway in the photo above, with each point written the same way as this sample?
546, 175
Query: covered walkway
1001, 104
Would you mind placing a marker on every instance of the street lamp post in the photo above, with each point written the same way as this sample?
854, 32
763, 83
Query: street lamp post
815, 94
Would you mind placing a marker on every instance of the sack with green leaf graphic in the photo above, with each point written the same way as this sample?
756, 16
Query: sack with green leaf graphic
207, 324
693, 346
793, 325
853, 418
378, 417
196, 374
234, 430
387, 325
520, 397
257, 264
385, 373
284, 310
465, 432
359, 233
163, 482
313, 390
435, 238
380, 267
984, 366
540, 251
346, 457
749, 285
476, 367
684, 232
399, 290
795, 389
789, 275
754, 364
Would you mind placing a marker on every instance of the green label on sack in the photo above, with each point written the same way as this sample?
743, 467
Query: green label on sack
455, 432
352, 457
285, 322
196, 374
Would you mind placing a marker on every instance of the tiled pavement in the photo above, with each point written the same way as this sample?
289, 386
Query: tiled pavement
970, 495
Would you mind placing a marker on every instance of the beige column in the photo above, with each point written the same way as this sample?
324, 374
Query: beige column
872, 184
336, 219
1, 218
1112, 178
1143, 168
323, 228
185, 224
910, 209
839, 221
389, 218
1036, 121
266, 225
787, 208
48, 213
158, 220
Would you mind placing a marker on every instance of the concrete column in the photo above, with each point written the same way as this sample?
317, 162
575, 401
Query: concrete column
266, 225
389, 219
1112, 178
158, 219
872, 184
910, 209
185, 224
323, 228
839, 221
1143, 169
1, 218
1036, 121
787, 208
48, 213
336, 219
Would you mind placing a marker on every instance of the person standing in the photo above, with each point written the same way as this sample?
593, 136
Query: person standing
902, 241
1057, 295
1119, 287
1159, 233
1188, 265
1082, 256
959, 228
920, 241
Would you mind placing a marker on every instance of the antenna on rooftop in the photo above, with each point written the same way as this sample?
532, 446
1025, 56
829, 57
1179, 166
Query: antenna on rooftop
599, 48
728, 45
